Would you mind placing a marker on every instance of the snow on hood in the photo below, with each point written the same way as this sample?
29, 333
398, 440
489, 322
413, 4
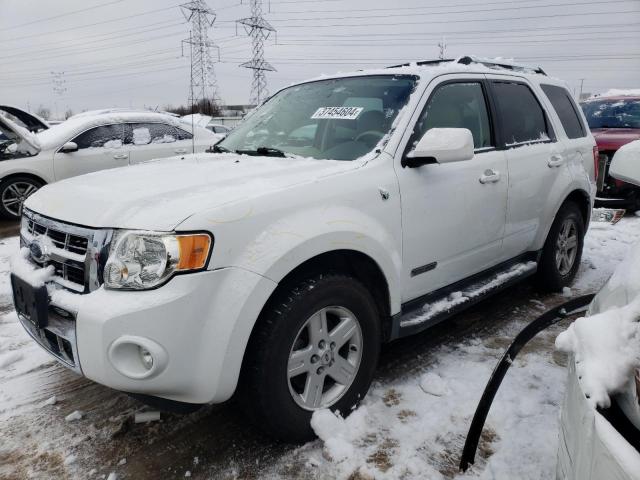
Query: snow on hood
159, 195
617, 92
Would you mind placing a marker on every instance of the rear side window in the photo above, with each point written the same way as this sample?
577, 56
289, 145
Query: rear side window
566, 110
522, 117
146, 133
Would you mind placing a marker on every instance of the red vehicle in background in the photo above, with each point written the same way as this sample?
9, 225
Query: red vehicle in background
614, 121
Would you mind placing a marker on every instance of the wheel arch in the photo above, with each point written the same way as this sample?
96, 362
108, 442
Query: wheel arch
24, 174
355, 263
578, 196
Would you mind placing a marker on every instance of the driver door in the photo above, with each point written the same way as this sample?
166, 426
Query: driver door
453, 219
99, 148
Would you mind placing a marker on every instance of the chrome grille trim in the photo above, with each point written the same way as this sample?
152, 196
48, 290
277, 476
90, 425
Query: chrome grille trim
77, 251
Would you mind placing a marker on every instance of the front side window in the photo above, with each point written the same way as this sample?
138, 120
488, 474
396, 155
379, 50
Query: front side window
339, 119
566, 110
522, 117
457, 105
104, 136
612, 113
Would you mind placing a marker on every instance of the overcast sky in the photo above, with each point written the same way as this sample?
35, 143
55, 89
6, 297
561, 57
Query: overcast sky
128, 52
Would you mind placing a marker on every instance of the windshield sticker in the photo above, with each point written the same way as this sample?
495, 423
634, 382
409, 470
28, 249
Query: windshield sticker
344, 113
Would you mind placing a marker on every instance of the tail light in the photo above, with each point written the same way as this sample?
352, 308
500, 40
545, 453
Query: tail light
596, 156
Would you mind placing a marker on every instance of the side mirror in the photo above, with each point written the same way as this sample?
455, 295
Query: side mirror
441, 145
69, 147
625, 165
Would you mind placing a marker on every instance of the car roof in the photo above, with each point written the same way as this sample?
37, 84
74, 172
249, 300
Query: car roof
466, 64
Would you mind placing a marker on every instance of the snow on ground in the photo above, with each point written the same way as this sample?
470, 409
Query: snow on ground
411, 425
415, 427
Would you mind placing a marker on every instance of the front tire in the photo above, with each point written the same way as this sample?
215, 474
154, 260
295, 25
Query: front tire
562, 250
316, 346
13, 192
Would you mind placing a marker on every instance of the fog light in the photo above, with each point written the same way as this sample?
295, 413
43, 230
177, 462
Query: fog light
146, 357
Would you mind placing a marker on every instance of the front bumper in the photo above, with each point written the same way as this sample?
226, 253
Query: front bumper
196, 326
589, 447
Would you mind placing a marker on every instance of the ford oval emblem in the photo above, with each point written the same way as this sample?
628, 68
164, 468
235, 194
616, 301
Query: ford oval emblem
38, 251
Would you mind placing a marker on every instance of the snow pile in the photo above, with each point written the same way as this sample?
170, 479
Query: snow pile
606, 347
27, 271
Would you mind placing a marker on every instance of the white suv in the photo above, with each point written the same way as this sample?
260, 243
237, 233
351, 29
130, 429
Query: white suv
344, 212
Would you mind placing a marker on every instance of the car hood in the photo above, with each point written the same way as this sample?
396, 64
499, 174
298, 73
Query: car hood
33, 122
614, 138
159, 195
26, 142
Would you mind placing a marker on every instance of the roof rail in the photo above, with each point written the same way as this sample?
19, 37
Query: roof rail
468, 59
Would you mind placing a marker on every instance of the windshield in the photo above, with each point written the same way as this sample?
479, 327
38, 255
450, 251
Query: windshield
340, 119
613, 113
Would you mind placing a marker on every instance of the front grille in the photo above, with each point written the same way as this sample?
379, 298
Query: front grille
62, 240
74, 252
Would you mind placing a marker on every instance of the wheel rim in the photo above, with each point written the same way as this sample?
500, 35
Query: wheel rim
567, 246
325, 358
15, 194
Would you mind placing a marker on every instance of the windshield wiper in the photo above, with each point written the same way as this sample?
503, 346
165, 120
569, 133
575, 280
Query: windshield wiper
263, 152
219, 149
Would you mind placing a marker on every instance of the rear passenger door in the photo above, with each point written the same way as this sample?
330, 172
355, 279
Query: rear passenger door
533, 157
578, 143
147, 141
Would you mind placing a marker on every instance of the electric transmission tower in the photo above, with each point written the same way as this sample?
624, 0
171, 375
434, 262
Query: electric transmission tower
203, 85
259, 30
443, 49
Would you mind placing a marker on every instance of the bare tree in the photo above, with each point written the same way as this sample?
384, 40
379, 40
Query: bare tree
43, 112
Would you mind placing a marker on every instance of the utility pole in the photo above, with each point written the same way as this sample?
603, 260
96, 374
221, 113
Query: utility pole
581, 84
443, 49
203, 84
259, 30
58, 82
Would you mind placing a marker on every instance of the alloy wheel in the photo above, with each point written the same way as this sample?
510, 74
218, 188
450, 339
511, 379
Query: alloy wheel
567, 246
325, 358
15, 194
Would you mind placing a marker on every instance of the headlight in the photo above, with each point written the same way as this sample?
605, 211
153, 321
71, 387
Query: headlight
143, 260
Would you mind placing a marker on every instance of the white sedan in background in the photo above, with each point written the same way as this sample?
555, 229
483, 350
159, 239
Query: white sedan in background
87, 143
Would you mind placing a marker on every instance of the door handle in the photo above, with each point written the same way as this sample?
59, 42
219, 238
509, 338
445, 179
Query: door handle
180, 150
121, 156
555, 161
489, 176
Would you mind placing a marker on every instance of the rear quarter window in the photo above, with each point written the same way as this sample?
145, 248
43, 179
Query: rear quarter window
566, 109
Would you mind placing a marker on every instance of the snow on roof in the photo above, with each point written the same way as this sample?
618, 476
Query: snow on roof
78, 123
432, 70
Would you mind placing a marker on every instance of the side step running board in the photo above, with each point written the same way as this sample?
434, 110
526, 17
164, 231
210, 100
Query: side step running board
550, 317
433, 308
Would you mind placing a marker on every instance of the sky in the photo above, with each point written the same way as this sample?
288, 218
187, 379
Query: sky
128, 53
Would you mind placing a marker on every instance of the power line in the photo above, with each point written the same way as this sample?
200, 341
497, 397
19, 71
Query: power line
61, 15
133, 15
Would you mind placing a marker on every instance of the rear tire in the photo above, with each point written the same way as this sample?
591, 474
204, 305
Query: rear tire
289, 357
13, 192
562, 250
